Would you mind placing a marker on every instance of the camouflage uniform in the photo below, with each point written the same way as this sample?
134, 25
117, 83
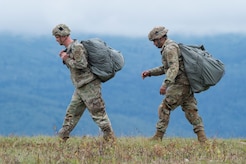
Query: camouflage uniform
87, 92
178, 89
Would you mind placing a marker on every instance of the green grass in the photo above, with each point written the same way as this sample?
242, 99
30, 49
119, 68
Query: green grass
127, 150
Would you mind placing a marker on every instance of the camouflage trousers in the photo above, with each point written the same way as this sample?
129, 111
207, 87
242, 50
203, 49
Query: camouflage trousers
179, 95
88, 96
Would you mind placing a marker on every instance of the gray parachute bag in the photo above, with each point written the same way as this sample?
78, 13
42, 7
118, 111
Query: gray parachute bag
104, 61
201, 68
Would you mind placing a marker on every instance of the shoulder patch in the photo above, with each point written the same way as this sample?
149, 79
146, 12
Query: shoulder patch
78, 53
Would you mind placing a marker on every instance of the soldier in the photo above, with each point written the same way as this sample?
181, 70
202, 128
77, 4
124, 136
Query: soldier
175, 86
87, 93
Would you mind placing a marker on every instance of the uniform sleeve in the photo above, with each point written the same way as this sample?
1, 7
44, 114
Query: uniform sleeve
157, 71
173, 65
78, 58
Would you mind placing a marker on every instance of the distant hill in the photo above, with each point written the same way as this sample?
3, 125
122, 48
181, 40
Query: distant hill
35, 89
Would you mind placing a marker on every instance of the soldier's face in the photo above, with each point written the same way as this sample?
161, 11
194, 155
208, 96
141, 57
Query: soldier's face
60, 39
157, 43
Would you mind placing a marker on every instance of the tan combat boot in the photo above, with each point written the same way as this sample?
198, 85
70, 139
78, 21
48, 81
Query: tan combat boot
108, 134
63, 134
109, 137
158, 136
201, 136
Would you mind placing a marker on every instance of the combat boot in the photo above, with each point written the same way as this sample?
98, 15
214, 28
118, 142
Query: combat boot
108, 135
63, 134
201, 136
158, 136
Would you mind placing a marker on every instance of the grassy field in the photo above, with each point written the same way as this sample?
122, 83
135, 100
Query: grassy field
127, 150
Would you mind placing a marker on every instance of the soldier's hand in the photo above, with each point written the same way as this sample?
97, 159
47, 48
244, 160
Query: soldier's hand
63, 55
163, 90
145, 74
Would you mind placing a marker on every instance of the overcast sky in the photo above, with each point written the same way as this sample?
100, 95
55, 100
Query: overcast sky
123, 17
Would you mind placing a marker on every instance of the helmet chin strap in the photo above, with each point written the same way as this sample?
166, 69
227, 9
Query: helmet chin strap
62, 43
159, 42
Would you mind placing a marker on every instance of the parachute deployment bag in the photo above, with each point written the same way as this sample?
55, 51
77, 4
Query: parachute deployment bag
201, 68
104, 61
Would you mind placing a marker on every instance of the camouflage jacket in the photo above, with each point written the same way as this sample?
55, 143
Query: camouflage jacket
78, 64
173, 65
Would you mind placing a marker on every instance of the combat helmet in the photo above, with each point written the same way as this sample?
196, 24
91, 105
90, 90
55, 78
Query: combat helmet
61, 30
157, 33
